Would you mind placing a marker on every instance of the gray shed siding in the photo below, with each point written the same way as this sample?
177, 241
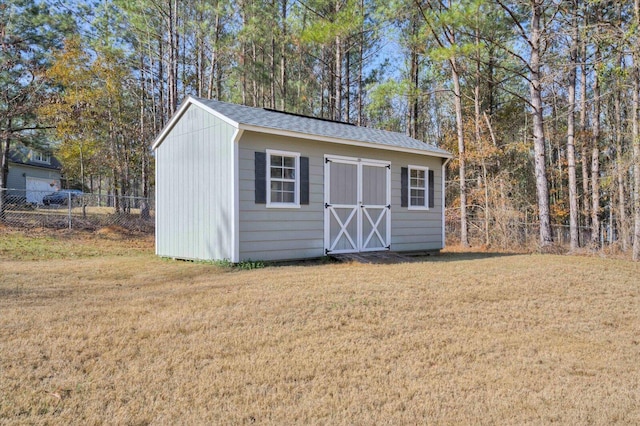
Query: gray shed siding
272, 233
194, 188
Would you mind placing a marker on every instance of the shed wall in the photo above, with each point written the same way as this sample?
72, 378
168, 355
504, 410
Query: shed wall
194, 188
276, 233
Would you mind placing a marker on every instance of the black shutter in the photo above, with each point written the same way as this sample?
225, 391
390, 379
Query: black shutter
404, 187
431, 194
261, 177
304, 180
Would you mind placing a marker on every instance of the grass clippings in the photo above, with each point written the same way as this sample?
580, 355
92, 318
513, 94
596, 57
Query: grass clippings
462, 338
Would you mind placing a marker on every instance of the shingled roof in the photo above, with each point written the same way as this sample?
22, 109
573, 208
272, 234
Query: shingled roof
20, 154
270, 121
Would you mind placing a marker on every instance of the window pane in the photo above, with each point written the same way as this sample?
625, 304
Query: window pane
417, 178
289, 186
288, 197
276, 197
417, 201
289, 173
418, 197
276, 160
276, 185
290, 162
276, 172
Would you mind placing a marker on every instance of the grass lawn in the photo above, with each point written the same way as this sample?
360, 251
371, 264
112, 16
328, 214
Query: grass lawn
95, 329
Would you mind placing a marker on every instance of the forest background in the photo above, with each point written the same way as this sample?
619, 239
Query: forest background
537, 99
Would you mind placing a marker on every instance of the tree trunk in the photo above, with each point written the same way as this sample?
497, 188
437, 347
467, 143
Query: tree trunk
478, 136
214, 62
539, 144
172, 78
571, 153
412, 97
622, 213
595, 159
283, 58
583, 140
338, 80
4, 168
360, 73
636, 167
636, 142
347, 86
464, 236
272, 72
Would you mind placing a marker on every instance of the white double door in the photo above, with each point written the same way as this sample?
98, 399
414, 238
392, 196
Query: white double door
357, 214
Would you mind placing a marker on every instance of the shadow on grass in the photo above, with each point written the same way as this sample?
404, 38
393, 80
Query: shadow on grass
466, 255
371, 258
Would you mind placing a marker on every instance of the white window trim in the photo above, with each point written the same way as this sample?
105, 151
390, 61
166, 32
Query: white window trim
426, 188
40, 157
296, 203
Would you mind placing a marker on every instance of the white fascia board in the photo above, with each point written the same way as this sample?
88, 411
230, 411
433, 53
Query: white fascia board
178, 115
330, 139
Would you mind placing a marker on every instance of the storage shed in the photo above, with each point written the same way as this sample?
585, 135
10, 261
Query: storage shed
238, 183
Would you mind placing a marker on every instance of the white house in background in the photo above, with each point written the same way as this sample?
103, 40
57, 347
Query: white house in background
237, 183
32, 173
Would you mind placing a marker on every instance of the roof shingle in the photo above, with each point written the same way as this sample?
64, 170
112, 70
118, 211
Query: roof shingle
269, 119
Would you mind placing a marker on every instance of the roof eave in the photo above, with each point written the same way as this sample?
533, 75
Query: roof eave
36, 166
301, 135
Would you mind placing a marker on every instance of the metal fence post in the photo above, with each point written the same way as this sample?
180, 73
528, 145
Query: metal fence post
69, 205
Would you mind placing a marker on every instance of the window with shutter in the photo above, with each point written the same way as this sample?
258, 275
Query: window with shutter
281, 179
417, 188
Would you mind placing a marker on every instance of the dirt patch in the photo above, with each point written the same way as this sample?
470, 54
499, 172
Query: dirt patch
114, 232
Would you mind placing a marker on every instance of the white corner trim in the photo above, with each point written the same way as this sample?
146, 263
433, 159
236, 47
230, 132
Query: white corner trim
235, 202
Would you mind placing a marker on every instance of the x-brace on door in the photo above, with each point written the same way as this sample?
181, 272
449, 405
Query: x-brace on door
357, 205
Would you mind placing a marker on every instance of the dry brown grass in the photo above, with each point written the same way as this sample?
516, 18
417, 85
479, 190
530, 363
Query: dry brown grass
458, 339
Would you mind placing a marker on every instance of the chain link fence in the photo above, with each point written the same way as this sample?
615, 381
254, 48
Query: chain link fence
75, 210
512, 233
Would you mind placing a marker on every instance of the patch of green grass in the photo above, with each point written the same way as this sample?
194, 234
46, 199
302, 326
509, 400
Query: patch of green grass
20, 247
55, 246
245, 265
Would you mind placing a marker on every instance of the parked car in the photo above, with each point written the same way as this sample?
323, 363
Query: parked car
61, 197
